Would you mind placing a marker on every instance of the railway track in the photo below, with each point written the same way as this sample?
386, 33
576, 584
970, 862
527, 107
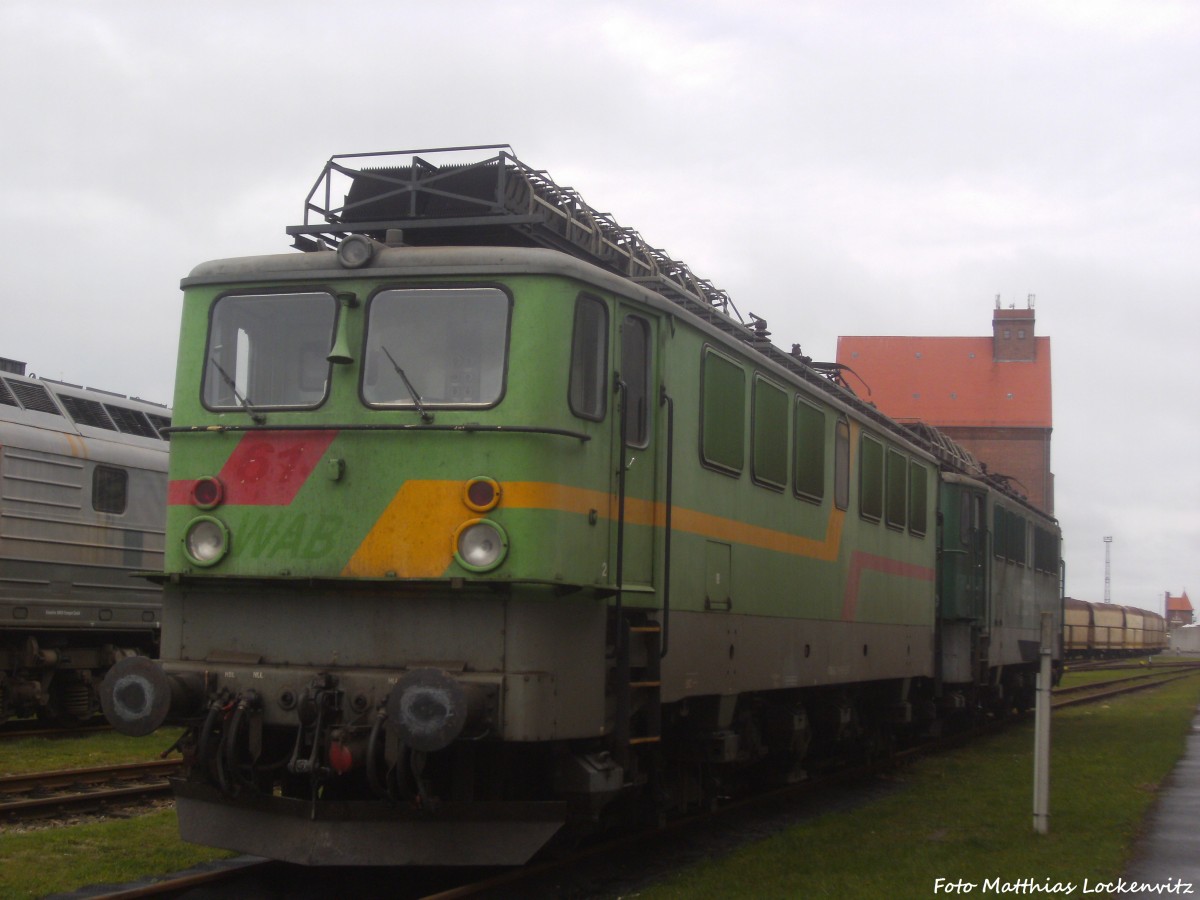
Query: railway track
1116, 687
39, 794
22, 729
1100, 690
1158, 661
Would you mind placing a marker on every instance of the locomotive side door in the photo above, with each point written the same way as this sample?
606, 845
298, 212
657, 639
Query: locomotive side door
977, 556
635, 451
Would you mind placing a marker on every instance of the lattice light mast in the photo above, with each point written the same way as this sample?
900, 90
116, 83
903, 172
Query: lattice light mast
1108, 569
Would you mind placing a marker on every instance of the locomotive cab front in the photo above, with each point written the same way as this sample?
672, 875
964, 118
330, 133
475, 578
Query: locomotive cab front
390, 552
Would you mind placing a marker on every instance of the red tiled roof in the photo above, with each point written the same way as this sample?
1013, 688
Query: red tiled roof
1179, 604
950, 381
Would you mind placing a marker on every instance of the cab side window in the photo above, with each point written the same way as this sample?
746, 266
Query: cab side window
588, 390
635, 372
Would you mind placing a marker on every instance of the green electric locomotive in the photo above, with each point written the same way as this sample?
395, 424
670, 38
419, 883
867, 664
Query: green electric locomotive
488, 520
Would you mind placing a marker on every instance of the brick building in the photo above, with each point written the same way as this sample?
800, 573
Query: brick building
1179, 611
990, 394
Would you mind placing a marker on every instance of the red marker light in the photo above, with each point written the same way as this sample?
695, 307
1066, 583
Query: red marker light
207, 492
481, 494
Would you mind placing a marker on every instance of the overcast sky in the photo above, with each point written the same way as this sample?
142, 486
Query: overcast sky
838, 167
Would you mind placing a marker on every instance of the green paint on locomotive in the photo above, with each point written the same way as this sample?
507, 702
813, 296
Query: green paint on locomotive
381, 505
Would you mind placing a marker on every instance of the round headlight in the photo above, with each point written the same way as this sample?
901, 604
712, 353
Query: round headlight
480, 545
355, 251
206, 541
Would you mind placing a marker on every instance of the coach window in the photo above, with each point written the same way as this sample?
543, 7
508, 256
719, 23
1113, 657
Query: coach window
809, 456
896, 488
769, 435
635, 372
723, 413
841, 464
918, 493
870, 479
588, 392
110, 490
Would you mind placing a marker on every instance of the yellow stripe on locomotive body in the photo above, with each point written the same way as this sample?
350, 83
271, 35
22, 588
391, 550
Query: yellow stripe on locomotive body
408, 540
401, 524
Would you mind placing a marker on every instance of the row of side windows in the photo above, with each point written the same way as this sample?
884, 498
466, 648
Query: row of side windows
1010, 541
893, 488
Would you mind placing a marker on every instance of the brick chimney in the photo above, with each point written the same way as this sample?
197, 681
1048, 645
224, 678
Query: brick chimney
1012, 334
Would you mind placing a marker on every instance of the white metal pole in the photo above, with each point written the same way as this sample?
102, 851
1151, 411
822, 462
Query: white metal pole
1041, 730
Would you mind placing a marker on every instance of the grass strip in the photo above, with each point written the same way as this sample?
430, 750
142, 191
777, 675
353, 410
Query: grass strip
115, 851
967, 816
47, 754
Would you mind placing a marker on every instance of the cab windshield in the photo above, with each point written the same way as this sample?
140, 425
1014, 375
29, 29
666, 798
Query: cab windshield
267, 351
436, 347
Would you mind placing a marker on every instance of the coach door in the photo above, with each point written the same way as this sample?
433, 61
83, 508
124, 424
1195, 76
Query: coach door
635, 463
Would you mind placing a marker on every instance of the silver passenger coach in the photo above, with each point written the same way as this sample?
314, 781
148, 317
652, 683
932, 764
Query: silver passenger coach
83, 480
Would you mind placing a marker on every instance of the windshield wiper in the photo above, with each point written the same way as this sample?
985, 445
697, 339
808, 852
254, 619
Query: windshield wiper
243, 402
426, 416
